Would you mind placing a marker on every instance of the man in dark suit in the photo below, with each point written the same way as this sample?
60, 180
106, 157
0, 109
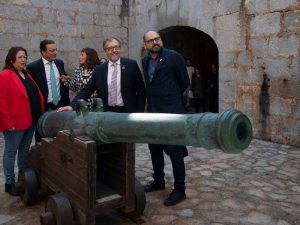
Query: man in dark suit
166, 79
40, 71
47, 72
119, 82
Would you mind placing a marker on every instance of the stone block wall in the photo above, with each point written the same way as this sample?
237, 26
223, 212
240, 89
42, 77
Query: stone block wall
258, 43
72, 24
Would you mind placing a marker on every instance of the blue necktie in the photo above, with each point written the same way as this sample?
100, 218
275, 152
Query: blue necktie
53, 85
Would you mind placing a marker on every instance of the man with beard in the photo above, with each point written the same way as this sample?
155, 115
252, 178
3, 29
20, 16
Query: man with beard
166, 79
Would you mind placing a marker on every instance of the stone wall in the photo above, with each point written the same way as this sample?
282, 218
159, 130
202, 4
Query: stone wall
258, 43
72, 24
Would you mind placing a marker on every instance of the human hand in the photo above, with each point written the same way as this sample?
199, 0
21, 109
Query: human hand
65, 108
64, 78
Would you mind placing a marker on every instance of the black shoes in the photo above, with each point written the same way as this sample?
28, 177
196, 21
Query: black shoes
11, 189
175, 197
153, 187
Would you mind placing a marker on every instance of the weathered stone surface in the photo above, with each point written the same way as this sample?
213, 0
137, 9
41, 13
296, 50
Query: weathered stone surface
282, 106
276, 68
257, 6
282, 4
228, 29
265, 24
284, 46
228, 6
291, 20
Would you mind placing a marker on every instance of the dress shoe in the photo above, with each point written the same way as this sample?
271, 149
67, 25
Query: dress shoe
11, 189
153, 187
175, 197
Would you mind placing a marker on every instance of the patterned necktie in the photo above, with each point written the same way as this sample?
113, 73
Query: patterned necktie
53, 85
113, 86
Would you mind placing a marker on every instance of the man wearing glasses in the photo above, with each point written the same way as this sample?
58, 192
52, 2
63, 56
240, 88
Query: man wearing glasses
119, 82
166, 79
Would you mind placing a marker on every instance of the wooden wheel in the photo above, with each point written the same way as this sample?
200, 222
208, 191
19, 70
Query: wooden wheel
139, 204
29, 186
58, 211
140, 199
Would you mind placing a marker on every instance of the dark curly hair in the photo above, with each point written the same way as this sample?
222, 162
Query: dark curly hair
92, 59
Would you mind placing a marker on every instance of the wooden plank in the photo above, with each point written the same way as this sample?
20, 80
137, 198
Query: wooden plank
110, 198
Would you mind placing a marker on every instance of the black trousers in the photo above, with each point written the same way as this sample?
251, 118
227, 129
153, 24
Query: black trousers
176, 154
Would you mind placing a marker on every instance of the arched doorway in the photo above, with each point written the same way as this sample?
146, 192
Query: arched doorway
202, 51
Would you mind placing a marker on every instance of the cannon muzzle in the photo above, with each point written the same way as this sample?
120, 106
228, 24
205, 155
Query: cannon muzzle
230, 130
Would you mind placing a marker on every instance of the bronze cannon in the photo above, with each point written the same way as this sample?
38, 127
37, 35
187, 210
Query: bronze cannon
86, 161
230, 130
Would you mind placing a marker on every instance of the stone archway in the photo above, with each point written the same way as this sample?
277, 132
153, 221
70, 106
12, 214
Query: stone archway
202, 50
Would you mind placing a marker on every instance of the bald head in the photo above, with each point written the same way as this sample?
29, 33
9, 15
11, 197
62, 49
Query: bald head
152, 43
150, 33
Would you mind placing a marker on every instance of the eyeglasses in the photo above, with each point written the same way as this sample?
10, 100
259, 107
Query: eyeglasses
21, 57
117, 47
157, 39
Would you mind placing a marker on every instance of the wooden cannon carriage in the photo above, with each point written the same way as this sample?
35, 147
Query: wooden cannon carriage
86, 164
84, 179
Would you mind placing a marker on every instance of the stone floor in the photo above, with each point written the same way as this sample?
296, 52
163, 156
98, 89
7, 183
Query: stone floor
260, 186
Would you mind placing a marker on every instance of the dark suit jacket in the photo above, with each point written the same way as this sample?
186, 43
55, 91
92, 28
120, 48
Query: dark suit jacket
132, 86
170, 80
37, 70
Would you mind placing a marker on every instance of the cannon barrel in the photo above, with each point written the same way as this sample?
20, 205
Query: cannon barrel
230, 130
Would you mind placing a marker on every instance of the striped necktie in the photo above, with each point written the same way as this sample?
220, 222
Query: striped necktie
113, 86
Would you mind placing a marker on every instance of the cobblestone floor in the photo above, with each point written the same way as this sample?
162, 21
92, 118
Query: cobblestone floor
260, 186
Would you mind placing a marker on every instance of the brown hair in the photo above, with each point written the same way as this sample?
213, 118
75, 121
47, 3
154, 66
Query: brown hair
92, 59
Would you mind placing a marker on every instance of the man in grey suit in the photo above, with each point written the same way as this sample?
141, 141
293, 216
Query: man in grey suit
166, 79
40, 70
129, 87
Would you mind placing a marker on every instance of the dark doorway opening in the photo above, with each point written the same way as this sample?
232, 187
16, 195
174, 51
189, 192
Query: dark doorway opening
202, 51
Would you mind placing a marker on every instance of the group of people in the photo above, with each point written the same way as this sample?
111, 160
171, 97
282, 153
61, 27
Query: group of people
202, 94
27, 91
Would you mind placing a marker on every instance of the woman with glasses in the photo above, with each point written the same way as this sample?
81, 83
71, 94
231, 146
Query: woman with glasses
21, 105
88, 60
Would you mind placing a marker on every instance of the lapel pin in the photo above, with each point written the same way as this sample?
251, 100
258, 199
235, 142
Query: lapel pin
123, 67
160, 59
